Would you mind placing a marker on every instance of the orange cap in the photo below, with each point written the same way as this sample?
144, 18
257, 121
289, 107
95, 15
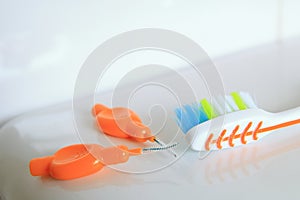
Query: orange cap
79, 160
67, 163
121, 122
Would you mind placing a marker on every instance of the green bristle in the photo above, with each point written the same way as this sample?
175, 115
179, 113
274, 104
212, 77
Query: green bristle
239, 101
208, 109
189, 116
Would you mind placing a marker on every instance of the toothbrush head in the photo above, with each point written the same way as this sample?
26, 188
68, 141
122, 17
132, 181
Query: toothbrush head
191, 115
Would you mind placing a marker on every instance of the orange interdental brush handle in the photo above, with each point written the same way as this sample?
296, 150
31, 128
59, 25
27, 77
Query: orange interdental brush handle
79, 160
121, 122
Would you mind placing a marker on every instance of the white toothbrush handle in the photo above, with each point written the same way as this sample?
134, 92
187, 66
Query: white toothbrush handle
275, 121
260, 124
287, 116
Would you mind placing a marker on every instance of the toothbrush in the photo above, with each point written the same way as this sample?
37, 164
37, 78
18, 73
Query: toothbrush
81, 160
124, 123
243, 122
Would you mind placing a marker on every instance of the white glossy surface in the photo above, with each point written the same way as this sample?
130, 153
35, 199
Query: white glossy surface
267, 169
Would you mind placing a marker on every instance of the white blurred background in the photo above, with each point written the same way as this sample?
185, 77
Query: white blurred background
44, 43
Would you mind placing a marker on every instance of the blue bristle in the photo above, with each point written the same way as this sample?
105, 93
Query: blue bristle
181, 118
192, 115
178, 112
189, 116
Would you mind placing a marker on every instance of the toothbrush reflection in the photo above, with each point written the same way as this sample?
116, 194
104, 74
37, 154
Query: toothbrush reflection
237, 163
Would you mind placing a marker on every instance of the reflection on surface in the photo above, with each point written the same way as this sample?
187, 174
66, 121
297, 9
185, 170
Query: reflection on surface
244, 161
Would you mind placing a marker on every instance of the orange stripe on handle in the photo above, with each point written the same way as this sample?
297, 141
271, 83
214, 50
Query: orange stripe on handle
254, 136
220, 138
208, 141
243, 135
231, 137
278, 126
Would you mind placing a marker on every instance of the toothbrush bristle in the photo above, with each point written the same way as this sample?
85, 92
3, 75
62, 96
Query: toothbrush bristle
189, 116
